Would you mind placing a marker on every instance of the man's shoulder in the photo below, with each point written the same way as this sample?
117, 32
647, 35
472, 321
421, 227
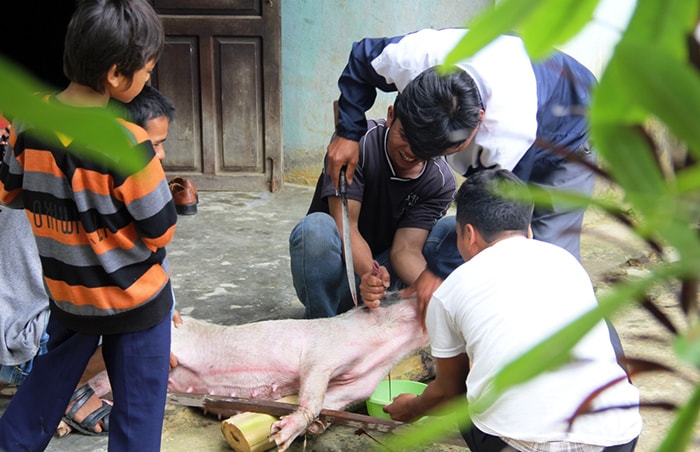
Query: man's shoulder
375, 127
440, 170
440, 162
372, 142
543, 255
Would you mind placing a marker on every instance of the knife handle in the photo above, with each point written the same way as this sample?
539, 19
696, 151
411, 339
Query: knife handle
342, 182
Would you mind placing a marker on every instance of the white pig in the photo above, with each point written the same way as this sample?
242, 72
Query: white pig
330, 363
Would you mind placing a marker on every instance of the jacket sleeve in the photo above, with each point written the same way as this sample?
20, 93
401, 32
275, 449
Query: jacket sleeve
388, 64
358, 85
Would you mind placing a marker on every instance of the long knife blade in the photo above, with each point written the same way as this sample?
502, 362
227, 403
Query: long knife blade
347, 243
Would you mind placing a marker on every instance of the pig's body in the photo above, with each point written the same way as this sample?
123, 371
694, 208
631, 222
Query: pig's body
329, 363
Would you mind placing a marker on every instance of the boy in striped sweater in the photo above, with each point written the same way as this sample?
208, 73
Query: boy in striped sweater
101, 236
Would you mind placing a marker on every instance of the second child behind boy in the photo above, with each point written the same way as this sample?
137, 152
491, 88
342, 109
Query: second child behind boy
153, 111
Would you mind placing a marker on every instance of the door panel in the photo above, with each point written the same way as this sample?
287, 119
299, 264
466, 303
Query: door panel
221, 67
179, 66
241, 98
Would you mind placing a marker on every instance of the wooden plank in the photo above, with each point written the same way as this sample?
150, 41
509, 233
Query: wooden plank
234, 404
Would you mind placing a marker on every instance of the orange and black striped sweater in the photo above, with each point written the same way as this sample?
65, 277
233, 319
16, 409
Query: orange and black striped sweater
101, 234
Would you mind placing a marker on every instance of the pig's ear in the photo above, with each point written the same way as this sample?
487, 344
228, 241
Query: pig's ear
173, 361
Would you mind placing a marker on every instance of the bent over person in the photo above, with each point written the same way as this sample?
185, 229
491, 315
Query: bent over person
519, 115
502, 301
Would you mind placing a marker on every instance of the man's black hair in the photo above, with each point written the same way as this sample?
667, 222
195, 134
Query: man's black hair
438, 111
150, 104
482, 201
103, 33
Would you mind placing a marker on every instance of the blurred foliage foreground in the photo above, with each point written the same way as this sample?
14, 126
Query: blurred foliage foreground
651, 82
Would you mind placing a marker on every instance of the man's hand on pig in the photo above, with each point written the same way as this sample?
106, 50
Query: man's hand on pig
401, 409
373, 286
423, 288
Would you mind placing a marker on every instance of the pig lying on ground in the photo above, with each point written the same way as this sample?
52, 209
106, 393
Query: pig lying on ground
330, 363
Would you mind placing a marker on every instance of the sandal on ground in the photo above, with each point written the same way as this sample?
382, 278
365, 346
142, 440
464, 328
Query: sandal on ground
87, 425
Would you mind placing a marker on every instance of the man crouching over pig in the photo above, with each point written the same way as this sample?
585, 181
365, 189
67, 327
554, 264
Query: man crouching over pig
326, 372
393, 201
511, 293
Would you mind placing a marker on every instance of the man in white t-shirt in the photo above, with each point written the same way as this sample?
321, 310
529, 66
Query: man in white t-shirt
511, 293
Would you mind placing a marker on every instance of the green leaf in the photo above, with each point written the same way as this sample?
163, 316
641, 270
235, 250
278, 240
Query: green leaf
427, 430
688, 180
553, 23
629, 158
687, 346
541, 23
94, 131
681, 432
666, 215
612, 103
674, 84
662, 26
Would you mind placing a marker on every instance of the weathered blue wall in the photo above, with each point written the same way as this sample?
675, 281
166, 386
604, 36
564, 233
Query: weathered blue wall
316, 40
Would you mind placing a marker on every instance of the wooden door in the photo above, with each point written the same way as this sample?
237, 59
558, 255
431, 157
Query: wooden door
221, 67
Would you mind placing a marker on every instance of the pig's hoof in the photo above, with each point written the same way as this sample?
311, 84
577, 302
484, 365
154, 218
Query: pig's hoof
317, 427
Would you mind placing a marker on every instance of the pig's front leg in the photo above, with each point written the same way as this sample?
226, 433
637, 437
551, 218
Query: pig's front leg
312, 391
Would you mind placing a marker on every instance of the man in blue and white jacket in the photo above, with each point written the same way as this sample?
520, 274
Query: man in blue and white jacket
524, 116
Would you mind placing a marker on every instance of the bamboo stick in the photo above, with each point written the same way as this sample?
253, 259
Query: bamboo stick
249, 432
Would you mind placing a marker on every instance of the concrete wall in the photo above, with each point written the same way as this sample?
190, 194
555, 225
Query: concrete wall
316, 40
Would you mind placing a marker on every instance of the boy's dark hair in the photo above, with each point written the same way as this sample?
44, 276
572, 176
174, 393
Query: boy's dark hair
149, 104
481, 203
103, 33
438, 111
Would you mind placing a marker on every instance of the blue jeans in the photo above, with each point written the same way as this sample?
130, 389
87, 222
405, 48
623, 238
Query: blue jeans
440, 249
16, 374
318, 267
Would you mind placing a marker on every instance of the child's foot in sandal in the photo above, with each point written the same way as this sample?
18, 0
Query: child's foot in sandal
86, 413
